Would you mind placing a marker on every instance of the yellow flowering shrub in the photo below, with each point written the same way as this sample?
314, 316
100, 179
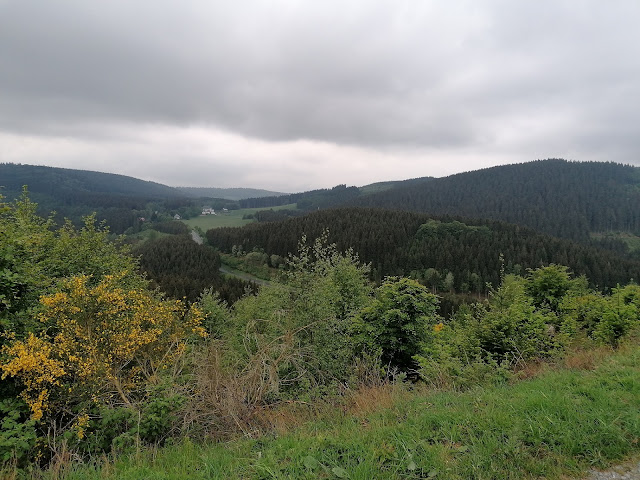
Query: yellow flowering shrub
102, 343
33, 360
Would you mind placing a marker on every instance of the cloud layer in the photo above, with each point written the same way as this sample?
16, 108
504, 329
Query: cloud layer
292, 95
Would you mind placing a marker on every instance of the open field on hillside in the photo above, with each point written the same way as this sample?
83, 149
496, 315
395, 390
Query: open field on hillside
632, 241
232, 218
376, 187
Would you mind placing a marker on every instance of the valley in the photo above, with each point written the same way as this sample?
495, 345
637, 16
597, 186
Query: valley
412, 328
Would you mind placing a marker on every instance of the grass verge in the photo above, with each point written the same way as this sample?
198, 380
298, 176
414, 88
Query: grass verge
558, 424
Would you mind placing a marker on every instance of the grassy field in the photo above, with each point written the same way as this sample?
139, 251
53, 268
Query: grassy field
557, 425
376, 187
252, 272
632, 241
232, 218
145, 235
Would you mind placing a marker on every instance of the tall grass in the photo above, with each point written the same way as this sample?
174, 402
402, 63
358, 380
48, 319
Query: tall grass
557, 424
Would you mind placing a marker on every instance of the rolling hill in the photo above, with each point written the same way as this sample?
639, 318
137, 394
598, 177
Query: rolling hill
67, 185
119, 200
566, 199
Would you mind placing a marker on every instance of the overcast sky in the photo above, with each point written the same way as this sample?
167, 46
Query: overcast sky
293, 95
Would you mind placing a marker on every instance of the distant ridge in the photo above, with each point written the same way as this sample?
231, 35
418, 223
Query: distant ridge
58, 182
555, 196
228, 193
118, 200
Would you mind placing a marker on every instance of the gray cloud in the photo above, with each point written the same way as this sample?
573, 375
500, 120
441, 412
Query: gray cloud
498, 78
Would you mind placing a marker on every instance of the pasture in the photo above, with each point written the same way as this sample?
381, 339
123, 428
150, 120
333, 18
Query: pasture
232, 218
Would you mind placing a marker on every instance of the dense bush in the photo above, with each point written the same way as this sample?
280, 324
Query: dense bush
525, 319
398, 321
301, 329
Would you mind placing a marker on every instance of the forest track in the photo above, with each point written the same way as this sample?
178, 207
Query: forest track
243, 275
196, 237
225, 269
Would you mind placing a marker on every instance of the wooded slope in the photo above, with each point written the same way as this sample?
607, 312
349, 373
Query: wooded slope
403, 243
561, 198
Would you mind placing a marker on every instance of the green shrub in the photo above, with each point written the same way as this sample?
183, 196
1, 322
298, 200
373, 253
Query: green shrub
398, 321
486, 340
18, 435
294, 337
106, 428
606, 319
158, 416
621, 316
585, 311
215, 311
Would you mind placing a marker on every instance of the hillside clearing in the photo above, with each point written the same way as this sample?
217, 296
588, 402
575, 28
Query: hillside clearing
231, 218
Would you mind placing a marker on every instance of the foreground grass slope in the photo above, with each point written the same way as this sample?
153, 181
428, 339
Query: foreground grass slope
557, 425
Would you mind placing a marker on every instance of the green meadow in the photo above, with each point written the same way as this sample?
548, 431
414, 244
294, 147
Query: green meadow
232, 218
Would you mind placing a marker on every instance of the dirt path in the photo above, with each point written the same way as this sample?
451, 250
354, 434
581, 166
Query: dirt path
228, 270
626, 471
196, 237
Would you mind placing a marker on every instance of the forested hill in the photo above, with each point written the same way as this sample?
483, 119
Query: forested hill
117, 199
67, 184
328, 197
444, 252
229, 193
561, 198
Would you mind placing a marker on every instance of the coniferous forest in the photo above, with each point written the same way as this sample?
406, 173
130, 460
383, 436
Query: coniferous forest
183, 269
403, 243
561, 198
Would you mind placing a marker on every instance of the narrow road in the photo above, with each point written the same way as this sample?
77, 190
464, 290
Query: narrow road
228, 270
196, 237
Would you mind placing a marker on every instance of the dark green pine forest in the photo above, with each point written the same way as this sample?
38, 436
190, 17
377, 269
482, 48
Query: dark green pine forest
573, 200
183, 269
565, 199
581, 201
471, 253
454, 234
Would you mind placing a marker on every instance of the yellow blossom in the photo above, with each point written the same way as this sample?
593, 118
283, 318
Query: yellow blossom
80, 425
108, 339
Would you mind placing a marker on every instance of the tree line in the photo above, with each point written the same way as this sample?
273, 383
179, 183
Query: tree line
470, 252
